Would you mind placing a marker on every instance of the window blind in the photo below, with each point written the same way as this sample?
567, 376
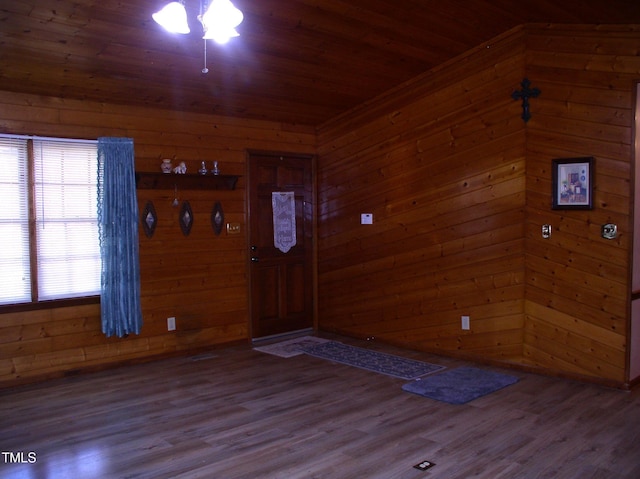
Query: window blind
15, 277
66, 226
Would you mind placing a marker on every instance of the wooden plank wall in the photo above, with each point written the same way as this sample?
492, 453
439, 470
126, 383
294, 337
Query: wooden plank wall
200, 279
440, 162
459, 189
578, 284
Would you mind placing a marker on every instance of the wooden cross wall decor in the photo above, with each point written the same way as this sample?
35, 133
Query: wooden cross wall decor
524, 95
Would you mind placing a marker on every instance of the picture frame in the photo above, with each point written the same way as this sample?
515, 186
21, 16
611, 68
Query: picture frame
572, 185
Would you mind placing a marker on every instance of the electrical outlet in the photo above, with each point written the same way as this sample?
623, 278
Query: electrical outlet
424, 465
171, 324
465, 322
366, 219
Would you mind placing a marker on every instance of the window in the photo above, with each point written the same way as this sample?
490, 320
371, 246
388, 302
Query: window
48, 219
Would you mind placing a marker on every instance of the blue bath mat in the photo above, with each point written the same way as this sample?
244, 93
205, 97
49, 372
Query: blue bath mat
461, 385
388, 364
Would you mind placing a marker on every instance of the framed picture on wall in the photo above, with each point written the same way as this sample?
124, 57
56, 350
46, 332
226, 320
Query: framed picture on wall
572, 183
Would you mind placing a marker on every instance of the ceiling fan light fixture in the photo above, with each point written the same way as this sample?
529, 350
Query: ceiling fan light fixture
173, 18
220, 20
220, 35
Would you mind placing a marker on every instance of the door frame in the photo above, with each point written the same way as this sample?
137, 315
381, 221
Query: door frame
314, 233
632, 366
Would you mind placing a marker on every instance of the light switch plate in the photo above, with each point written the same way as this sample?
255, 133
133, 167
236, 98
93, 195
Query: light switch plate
366, 219
233, 228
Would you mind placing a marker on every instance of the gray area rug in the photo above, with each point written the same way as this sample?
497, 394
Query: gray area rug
383, 363
461, 385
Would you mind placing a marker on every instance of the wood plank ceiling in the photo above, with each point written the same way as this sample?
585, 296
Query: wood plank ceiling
296, 61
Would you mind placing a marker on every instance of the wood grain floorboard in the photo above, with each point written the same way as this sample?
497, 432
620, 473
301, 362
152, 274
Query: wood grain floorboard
244, 414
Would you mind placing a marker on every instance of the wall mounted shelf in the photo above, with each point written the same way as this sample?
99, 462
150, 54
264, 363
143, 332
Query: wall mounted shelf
169, 181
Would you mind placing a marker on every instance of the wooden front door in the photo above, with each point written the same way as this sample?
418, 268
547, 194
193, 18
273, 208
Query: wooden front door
281, 282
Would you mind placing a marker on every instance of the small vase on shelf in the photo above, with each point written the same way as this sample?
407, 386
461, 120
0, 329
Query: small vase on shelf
215, 169
203, 169
166, 166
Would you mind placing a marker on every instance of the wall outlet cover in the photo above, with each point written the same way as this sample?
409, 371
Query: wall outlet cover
171, 324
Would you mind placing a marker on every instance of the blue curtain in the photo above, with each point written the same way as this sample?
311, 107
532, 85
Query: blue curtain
120, 307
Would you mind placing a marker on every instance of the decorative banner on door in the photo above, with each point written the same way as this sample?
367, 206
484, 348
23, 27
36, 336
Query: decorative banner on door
284, 220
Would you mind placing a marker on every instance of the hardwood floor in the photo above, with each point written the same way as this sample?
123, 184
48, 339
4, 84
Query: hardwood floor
239, 413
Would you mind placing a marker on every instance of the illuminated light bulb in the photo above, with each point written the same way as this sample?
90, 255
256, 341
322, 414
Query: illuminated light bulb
173, 18
220, 21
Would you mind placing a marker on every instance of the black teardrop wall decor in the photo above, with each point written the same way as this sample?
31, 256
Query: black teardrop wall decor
217, 218
186, 218
149, 219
